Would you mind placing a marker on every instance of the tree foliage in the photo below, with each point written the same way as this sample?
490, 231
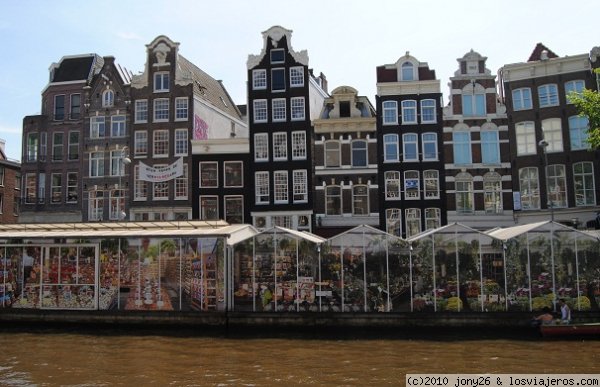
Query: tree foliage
588, 104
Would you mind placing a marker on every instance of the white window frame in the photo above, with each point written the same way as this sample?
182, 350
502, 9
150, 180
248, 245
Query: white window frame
393, 221
576, 85
161, 110
433, 218
552, 133
273, 71
97, 127
393, 185
521, 99
96, 205
428, 111
260, 110
412, 217
141, 111
390, 140
556, 186
58, 146
181, 142
407, 71
297, 76
331, 210
278, 110
390, 113
584, 182
464, 190
298, 109
548, 95
108, 98
332, 156
412, 193
181, 109
406, 109
432, 190
56, 188
300, 185
227, 181
160, 137
213, 200
140, 145
72, 187
425, 140
160, 190
259, 79
208, 168
118, 126
140, 186
261, 147
299, 145
240, 204
271, 55
406, 142
492, 193
359, 197
96, 166
525, 136
261, 187
181, 184
280, 146
578, 133
280, 187
161, 81
529, 185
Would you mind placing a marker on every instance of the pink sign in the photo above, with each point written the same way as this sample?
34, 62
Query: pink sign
200, 129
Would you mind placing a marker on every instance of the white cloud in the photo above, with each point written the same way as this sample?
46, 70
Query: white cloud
129, 35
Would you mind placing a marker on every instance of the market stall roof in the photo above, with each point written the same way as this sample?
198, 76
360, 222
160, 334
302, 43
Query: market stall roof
445, 228
233, 233
512, 232
296, 234
364, 227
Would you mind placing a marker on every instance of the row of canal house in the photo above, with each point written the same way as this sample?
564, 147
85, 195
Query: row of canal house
303, 157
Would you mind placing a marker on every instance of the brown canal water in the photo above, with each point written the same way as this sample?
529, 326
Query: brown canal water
61, 359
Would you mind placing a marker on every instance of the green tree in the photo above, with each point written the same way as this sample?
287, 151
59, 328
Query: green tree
588, 104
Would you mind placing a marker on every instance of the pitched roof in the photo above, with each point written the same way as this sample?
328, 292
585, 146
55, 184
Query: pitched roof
76, 68
209, 88
537, 53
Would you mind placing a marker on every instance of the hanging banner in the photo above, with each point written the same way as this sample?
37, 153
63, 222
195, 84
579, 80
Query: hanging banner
160, 174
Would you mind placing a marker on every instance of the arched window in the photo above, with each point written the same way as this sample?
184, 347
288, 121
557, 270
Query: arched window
333, 200
408, 72
108, 98
464, 193
492, 193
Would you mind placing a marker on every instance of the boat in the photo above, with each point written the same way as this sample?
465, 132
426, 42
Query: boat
565, 330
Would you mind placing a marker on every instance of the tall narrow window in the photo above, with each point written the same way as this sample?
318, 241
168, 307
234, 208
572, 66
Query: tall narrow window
431, 182
360, 200
56, 188
32, 146
278, 79
161, 110
576, 86
108, 98
297, 76
261, 186
413, 221
181, 185
161, 82
578, 132
57, 146
181, 109
297, 104
432, 218
280, 182
160, 143
260, 110
408, 71
333, 200
73, 145
530, 188
410, 147
181, 142
261, 147
332, 153
430, 152
359, 153
409, 112
464, 193
390, 147
462, 147
526, 144
299, 145
160, 190
473, 100
392, 185
209, 174
140, 143
97, 127
557, 186
584, 184
390, 112
140, 186
278, 109
552, 132
428, 115
96, 164
234, 209
280, 146
492, 193
259, 79
59, 107
117, 126
141, 111
393, 220
234, 174
300, 186
72, 187
75, 106
96, 205
411, 185
490, 147
209, 208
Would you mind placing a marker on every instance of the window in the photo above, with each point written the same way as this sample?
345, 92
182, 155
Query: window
96, 205
73, 145
333, 200
234, 174
552, 132
160, 143
181, 109
431, 182
409, 112
75, 106
72, 187
140, 186
390, 113
282, 221
522, 99
181, 185
280, 179
413, 221
578, 132
409, 141
43, 146
490, 147
277, 55
393, 221
462, 147
96, 164
18, 181
411, 185
161, 110
278, 109
359, 153
464, 193
56, 188
117, 167
280, 146
428, 115
584, 185
557, 186
432, 218
360, 200
161, 82
526, 144
57, 146
209, 208
492, 193
278, 79
41, 187
108, 98
473, 104
261, 181
160, 190
234, 209
2, 174
181, 142
392, 185
345, 109
261, 147
299, 145
30, 188
117, 125
260, 110
548, 95
576, 86
332, 153
141, 110
32, 146
390, 147
209, 174
116, 204
530, 191
140, 145
430, 152
297, 108
59, 107
300, 186
259, 79
296, 76
408, 72
97, 127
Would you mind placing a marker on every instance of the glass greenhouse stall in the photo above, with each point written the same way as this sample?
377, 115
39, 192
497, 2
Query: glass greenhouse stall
133, 266
546, 261
456, 268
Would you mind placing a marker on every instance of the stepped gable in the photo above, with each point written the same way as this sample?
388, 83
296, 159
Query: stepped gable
537, 53
209, 88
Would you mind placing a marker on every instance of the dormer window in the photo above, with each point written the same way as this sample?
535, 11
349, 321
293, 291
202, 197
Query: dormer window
408, 71
344, 108
277, 55
108, 98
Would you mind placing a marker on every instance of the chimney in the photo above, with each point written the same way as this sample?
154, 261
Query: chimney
323, 82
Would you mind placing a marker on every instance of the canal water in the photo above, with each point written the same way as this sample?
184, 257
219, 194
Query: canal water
62, 359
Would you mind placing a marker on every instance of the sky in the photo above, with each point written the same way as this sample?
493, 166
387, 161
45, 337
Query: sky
346, 39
